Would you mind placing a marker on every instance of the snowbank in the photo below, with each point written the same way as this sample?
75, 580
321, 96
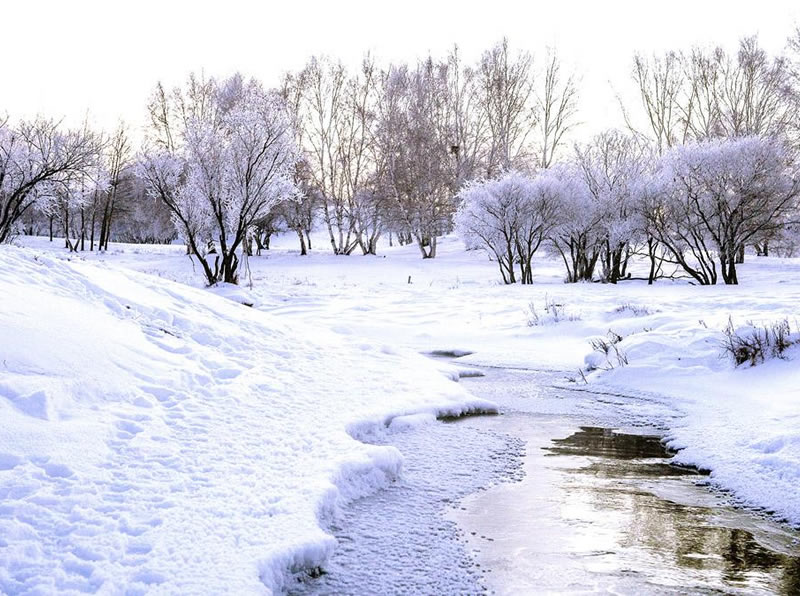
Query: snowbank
156, 436
741, 423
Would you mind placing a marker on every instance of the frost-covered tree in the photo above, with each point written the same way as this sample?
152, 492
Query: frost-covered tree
221, 155
509, 217
579, 235
72, 203
39, 159
611, 167
708, 199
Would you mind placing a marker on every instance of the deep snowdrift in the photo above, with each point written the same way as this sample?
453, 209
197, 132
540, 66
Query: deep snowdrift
153, 435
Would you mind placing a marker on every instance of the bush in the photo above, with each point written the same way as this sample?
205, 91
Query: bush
756, 344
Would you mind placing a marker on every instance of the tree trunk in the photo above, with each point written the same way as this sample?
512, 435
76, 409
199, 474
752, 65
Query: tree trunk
739, 255
651, 253
83, 231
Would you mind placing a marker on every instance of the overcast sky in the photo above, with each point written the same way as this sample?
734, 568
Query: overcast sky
67, 58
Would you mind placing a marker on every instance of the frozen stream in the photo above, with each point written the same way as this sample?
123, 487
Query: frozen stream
565, 491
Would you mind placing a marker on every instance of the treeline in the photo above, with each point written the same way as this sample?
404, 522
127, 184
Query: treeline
712, 170
704, 167
691, 211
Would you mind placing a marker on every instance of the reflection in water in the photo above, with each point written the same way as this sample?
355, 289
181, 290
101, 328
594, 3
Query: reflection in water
686, 532
604, 442
602, 511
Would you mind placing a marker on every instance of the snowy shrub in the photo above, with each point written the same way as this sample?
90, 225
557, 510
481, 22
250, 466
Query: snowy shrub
755, 344
605, 354
554, 312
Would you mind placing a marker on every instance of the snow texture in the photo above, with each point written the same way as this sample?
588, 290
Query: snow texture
157, 437
398, 540
79, 364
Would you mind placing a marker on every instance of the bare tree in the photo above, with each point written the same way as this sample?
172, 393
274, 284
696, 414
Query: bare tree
660, 82
557, 107
417, 150
118, 158
734, 96
509, 102
337, 115
299, 215
462, 119
710, 93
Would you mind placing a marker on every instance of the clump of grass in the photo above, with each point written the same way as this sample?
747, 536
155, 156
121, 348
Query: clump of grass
637, 310
755, 344
606, 354
554, 312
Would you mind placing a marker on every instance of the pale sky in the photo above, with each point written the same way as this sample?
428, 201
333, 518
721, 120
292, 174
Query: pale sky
67, 58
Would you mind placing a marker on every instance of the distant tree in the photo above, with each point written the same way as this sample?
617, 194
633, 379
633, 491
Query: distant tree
661, 82
300, 213
37, 160
72, 204
337, 114
462, 118
557, 104
706, 94
509, 101
263, 230
140, 219
419, 160
118, 157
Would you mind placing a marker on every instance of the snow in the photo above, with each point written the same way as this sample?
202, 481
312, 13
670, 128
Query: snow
157, 436
220, 409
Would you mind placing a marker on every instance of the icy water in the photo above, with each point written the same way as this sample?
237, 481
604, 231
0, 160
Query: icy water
565, 491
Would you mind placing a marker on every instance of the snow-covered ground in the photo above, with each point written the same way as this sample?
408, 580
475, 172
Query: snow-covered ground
327, 347
154, 435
